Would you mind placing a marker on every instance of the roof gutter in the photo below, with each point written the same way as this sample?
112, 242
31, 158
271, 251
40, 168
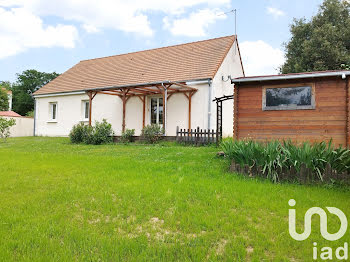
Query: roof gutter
342, 74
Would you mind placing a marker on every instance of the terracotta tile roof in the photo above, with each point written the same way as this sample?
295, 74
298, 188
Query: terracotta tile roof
9, 113
191, 61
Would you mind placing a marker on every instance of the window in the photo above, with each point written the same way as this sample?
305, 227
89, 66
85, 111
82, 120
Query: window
157, 110
53, 111
85, 107
289, 98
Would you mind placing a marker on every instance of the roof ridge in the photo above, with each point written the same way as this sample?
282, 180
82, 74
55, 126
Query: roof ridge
157, 48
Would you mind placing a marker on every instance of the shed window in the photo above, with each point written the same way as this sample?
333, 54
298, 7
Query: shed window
288, 98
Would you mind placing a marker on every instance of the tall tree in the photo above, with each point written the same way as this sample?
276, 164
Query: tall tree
27, 83
6, 84
4, 100
323, 43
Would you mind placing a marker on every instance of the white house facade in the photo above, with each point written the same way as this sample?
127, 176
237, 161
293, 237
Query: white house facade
134, 90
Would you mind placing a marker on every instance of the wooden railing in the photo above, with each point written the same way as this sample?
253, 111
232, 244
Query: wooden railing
196, 136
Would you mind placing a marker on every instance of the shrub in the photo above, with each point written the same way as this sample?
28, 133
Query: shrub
128, 136
152, 133
5, 125
275, 160
30, 113
78, 133
100, 133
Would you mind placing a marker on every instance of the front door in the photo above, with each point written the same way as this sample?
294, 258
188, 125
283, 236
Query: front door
157, 111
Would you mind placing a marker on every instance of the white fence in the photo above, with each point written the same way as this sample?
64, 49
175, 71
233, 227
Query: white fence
24, 126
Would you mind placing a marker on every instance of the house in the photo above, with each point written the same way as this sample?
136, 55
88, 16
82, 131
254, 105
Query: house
171, 86
312, 106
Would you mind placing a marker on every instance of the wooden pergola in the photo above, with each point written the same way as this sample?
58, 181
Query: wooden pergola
166, 89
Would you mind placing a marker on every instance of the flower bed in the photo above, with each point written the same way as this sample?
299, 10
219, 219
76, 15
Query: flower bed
280, 161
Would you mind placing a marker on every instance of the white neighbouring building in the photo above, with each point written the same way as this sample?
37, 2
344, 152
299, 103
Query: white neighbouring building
135, 89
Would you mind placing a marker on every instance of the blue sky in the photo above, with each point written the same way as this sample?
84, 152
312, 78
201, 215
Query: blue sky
54, 35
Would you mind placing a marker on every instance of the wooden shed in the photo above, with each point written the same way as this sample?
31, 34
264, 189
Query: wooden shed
312, 106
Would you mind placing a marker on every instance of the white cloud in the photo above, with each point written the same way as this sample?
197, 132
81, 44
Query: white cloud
275, 12
129, 16
196, 24
90, 28
21, 30
259, 58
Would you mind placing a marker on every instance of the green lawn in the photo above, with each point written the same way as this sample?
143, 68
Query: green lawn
64, 202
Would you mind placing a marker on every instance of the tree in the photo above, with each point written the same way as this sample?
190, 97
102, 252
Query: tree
6, 84
5, 125
27, 83
323, 43
4, 100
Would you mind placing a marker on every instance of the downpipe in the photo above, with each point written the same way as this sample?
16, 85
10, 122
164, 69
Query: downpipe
209, 102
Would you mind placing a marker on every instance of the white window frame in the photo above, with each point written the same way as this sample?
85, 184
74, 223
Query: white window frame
150, 104
51, 112
85, 110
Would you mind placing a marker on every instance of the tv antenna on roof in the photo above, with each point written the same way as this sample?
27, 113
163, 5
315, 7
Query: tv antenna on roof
234, 11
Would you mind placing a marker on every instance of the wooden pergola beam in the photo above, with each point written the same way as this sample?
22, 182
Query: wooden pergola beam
184, 86
110, 93
141, 92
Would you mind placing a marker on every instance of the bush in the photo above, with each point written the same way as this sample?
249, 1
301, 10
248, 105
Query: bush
79, 133
30, 113
275, 160
152, 133
101, 133
128, 136
5, 125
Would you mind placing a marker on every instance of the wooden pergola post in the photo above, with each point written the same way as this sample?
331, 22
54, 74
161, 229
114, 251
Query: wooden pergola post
164, 91
143, 100
189, 97
91, 96
124, 99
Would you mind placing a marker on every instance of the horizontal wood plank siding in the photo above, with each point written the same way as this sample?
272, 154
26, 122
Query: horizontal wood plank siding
327, 121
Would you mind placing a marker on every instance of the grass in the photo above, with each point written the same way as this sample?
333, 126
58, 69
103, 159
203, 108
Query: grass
64, 202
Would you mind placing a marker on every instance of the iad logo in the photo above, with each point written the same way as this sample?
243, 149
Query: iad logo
327, 253
323, 222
